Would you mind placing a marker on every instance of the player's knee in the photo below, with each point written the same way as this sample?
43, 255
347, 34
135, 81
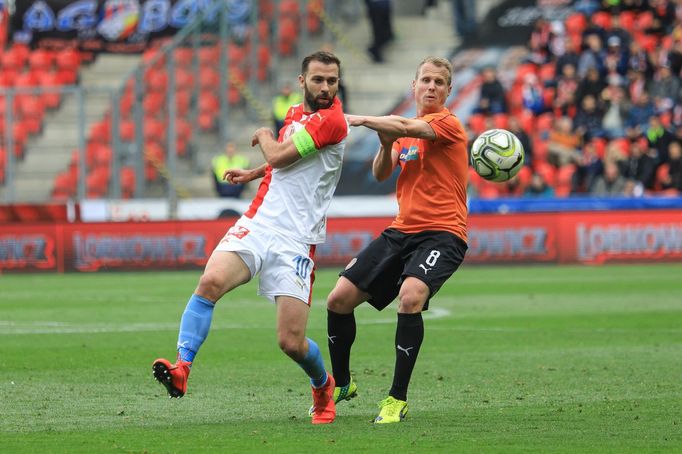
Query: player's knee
345, 297
412, 299
291, 346
339, 302
210, 286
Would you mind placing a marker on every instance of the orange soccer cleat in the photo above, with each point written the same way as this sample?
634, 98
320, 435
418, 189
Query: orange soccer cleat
172, 376
324, 408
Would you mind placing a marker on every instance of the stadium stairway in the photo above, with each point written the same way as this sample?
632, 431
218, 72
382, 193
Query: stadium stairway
51, 151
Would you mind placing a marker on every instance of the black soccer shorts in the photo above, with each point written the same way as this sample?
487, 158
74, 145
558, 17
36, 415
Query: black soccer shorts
431, 256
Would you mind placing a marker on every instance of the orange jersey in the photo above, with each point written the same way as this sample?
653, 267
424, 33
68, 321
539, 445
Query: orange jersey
432, 186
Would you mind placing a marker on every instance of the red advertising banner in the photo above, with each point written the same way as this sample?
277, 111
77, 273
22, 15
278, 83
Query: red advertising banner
585, 237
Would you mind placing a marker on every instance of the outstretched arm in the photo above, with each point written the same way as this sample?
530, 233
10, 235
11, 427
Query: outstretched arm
394, 125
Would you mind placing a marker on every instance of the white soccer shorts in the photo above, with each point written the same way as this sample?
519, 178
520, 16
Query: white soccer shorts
285, 265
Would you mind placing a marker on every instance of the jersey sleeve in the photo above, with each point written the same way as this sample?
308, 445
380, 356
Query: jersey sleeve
446, 126
327, 127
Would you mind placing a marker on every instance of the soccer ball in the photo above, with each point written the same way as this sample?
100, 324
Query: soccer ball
497, 155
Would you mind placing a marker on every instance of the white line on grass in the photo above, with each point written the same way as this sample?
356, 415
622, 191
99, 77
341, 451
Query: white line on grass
8, 328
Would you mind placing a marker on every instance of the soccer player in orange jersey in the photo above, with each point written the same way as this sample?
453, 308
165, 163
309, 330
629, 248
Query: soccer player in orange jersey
424, 245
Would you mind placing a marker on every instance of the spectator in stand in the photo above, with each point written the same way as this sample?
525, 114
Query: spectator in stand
636, 85
673, 178
569, 57
610, 183
379, 13
538, 187
616, 57
616, 107
281, 103
659, 138
664, 89
531, 92
592, 56
675, 57
638, 119
514, 126
619, 32
493, 99
639, 60
664, 17
588, 119
566, 88
563, 143
538, 44
591, 84
639, 166
230, 159
588, 168
466, 24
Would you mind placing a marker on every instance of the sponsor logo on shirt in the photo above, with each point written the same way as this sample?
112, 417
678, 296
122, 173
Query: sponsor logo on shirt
410, 154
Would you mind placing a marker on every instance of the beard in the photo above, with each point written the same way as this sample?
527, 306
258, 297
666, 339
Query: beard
317, 102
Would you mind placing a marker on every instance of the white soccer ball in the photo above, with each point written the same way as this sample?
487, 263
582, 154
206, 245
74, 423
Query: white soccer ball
497, 155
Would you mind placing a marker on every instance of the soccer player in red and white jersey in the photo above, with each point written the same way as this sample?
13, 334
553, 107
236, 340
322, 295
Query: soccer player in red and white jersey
276, 237
423, 246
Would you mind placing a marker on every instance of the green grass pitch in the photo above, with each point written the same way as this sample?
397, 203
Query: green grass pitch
515, 359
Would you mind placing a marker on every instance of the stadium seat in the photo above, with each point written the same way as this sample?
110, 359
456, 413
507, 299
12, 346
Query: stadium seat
547, 171
154, 103
209, 55
41, 60
602, 19
501, 121
3, 163
540, 148
575, 23
643, 21
97, 182
68, 60
209, 78
51, 97
564, 180
627, 20
183, 79
127, 180
153, 129
288, 34
547, 72
184, 56
127, 130
477, 123
183, 101
524, 69
100, 131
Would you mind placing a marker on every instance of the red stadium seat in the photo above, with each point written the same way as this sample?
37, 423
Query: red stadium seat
575, 23
564, 180
68, 60
127, 130
209, 55
184, 57
153, 129
547, 72
154, 103
127, 180
627, 20
477, 123
97, 182
501, 121
183, 101
547, 171
3, 163
602, 19
41, 60
209, 78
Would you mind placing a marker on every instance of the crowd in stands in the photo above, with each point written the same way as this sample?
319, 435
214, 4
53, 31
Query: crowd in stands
597, 104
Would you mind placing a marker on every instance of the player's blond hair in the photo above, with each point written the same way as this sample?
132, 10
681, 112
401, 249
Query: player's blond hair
439, 62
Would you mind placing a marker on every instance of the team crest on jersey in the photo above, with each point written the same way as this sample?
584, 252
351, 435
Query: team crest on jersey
409, 154
236, 231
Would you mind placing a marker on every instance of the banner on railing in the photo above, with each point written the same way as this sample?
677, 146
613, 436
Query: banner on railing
587, 238
122, 26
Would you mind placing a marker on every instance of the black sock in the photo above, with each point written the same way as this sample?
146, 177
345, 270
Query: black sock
409, 335
340, 338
